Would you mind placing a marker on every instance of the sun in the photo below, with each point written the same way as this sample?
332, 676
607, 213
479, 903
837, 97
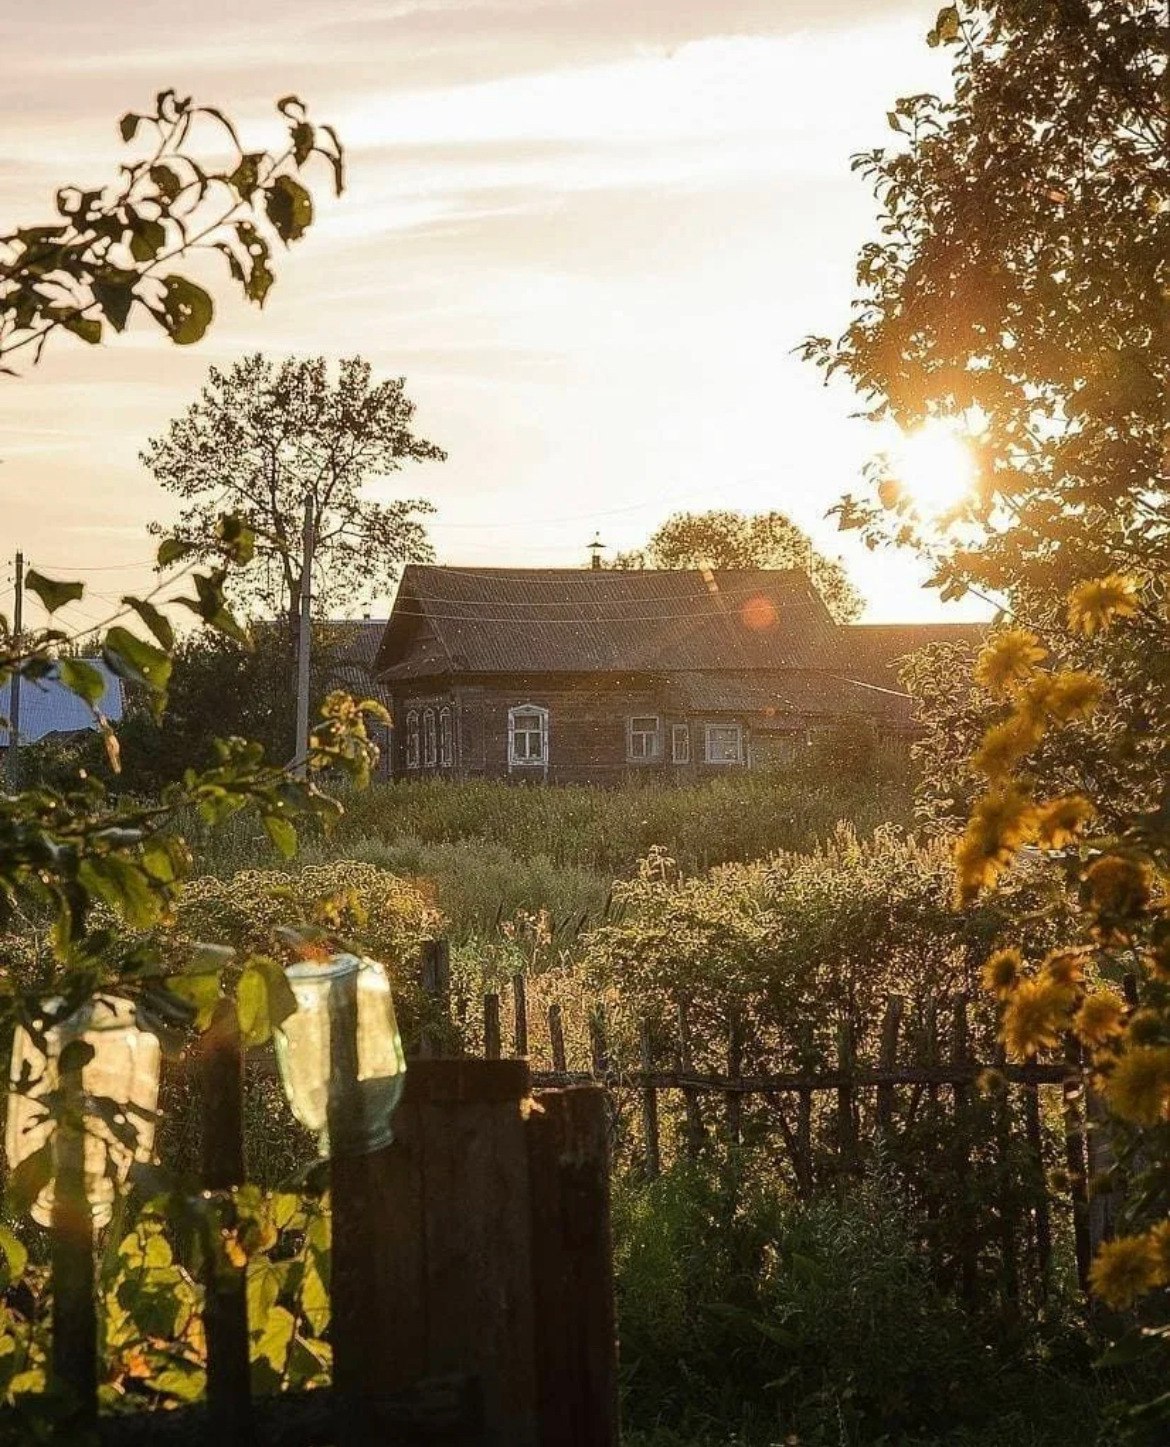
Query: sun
934, 466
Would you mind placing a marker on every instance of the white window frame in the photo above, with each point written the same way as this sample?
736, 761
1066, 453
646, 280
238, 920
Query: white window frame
430, 747
412, 739
446, 738
528, 761
680, 732
651, 739
710, 729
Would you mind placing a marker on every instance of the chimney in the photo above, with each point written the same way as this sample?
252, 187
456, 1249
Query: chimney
596, 548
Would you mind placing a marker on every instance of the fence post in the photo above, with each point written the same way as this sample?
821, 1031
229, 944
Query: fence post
733, 1097
686, 1065
846, 1124
887, 1059
225, 1313
1040, 1216
1008, 1215
520, 1001
1072, 1100
491, 1027
74, 1349
598, 1049
436, 986
968, 1244
556, 1037
649, 1104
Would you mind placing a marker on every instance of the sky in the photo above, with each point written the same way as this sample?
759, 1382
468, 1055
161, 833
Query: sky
589, 233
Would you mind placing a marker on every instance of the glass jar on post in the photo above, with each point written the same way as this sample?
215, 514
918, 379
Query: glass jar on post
340, 1054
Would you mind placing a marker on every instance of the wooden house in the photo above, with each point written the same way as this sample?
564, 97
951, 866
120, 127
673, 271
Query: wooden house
597, 676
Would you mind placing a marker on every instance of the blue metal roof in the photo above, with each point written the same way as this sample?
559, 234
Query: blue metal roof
48, 707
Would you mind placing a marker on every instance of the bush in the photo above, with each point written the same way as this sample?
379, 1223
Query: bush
745, 1314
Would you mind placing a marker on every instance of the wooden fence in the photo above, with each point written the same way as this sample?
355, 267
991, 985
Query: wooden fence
1032, 1141
455, 1251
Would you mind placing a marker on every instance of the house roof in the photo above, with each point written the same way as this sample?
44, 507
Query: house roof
582, 620
351, 646
778, 700
872, 652
48, 707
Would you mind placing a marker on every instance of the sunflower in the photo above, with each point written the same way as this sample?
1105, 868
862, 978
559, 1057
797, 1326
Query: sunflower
1138, 1087
1124, 1269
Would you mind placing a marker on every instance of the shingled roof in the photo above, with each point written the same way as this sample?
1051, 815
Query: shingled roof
574, 620
872, 652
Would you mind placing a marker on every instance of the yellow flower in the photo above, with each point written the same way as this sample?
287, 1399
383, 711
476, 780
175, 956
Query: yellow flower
1034, 1016
1073, 695
1100, 1018
1000, 823
1139, 1084
1001, 971
1124, 1269
1061, 820
1007, 660
1065, 968
1119, 886
1006, 744
1159, 1239
1095, 604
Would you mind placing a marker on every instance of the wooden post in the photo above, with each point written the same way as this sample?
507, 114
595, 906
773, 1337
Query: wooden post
572, 1268
225, 1312
887, 1059
491, 1027
686, 1065
598, 1049
520, 1001
968, 1241
556, 1037
73, 1366
733, 1097
649, 1105
846, 1121
436, 986
1040, 1216
1008, 1216
1072, 1101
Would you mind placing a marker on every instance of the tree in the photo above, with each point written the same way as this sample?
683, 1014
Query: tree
102, 259
262, 438
725, 539
1021, 284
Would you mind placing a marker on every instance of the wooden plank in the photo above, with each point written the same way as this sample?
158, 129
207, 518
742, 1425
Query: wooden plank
1041, 1221
693, 1110
491, 1027
1072, 1106
1008, 1214
887, 1058
556, 1037
435, 978
649, 1106
572, 1267
598, 1048
225, 1311
73, 1360
846, 1117
916, 1075
733, 1098
968, 1232
520, 1004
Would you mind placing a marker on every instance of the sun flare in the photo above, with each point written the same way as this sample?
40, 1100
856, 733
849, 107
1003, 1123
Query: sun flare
934, 466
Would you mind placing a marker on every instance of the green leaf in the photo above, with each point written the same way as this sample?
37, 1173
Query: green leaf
115, 300
128, 126
185, 311
246, 177
946, 27
82, 679
282, 833
289, 207
134, 658
157, 622
147, 239
252, 1004
89, 329
53, 595
171, 550
14, 1253
302, 141
167, 181
124, 885
200, 991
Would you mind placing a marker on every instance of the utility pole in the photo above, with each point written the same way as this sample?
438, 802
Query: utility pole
14, 686
304, 635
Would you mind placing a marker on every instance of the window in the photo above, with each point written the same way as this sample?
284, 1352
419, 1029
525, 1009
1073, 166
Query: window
528, 735
680, 743
643, 739
724, 743
446, 739
430, 751
412, 740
